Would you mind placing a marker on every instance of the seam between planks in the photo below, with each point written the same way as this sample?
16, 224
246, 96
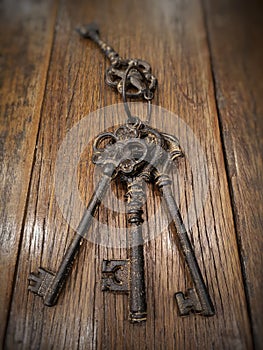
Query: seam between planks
229, 185
42, 98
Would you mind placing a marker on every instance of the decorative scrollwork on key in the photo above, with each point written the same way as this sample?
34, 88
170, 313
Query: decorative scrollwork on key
128, 148
136, 154
140, 81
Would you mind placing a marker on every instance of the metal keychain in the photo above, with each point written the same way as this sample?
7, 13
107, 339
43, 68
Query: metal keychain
136, 154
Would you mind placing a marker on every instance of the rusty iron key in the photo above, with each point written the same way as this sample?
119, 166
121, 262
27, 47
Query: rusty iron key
48, 284
196, 299
127, 276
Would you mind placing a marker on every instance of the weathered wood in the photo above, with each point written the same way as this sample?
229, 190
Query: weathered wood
235, 34
172, 37
26, 30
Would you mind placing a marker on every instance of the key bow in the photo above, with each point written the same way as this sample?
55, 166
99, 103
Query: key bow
139, 82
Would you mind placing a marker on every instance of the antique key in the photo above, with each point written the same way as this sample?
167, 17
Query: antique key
140, 83
196, 300
136, 154
132, 280
48, 284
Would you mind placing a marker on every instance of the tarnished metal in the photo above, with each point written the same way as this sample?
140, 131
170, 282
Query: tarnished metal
137, 296
136, 154
189, 302
115, 275
140, 81
202, 303
145, 154
48, 284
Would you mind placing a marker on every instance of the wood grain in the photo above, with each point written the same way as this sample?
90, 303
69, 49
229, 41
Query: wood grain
27, 30
172, 37
235, 32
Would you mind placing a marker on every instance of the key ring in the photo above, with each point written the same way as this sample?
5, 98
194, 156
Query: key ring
148, 95
135, 155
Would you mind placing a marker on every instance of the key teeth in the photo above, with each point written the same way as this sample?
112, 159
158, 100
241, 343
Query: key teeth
115, 276
33, 277
41, 281
36, 283
188, 302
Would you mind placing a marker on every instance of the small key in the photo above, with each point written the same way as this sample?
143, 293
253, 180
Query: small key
48, 284
196, 300
140, 81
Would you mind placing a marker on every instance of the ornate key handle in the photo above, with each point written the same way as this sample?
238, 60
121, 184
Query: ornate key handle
127, 155
134, 148
140, 81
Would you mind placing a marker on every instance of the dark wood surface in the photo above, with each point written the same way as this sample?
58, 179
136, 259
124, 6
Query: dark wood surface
208, 60
235, 38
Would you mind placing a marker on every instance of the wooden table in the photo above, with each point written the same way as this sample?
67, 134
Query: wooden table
208, 58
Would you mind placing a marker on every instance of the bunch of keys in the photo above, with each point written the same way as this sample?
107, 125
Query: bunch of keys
136, 154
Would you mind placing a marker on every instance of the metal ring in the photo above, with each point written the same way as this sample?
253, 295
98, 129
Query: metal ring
149, 112
135, 123
124, 85
147, 94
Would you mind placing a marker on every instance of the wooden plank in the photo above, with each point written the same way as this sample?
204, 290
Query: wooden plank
235, 33
172, 37
27, 30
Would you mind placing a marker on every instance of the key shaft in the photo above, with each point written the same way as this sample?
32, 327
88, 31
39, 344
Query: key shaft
52, 291
207, 308
137, 295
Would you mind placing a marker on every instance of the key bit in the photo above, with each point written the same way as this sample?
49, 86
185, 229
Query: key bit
188, 302
40, 282
47, 284
163, 182
115, 276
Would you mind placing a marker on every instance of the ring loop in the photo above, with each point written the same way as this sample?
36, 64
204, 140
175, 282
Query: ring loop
127, 109
148, 95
